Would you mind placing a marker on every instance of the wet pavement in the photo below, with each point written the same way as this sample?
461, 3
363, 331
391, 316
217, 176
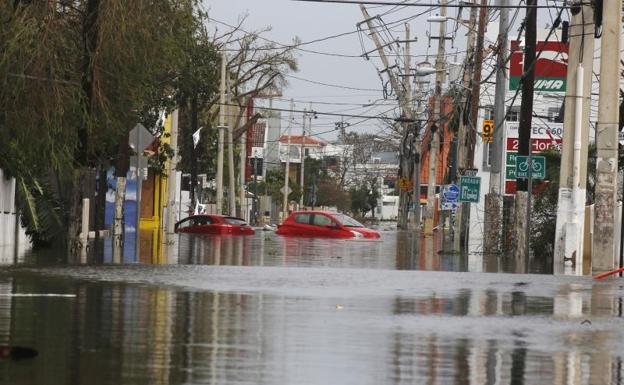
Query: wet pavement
305, 311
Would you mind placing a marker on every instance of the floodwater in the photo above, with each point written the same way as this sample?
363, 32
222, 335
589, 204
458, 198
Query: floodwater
273, 310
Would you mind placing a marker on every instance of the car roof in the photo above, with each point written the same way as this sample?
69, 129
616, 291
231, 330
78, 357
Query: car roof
315, 212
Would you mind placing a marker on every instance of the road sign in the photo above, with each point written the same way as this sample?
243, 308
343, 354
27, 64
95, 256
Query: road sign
471, 172
470, 188
404, 184
450, 192
286, 187
487, 131
445, 205
538, 169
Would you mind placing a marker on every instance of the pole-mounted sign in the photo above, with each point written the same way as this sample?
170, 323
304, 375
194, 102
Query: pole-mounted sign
551, 67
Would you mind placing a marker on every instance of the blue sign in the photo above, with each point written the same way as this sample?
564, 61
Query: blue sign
450, 192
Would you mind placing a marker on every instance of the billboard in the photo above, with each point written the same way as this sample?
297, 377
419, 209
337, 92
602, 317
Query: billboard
544, 136
550, 68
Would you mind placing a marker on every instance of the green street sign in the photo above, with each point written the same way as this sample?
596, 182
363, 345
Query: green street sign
538, 169
469, 188
510, 172
511, 158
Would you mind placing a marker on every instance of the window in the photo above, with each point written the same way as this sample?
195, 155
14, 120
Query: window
234, 221
347, 221
183, 224
303, 218
307, 152
321, 220
202, 220
388, 203
513, 114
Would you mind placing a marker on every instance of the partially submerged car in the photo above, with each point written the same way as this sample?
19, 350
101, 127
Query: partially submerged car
324, 224
213, 224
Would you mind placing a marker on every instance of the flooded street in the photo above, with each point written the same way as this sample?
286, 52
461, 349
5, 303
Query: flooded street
305, 311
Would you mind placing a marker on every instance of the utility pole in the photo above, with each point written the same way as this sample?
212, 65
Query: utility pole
475, 96
172, 175
573, 170
407, 113
461, 134
437, 123
230, 138
603, 258
301, 175
524, 142
493, 200
221, 139
407, 82
287, 171
244, 210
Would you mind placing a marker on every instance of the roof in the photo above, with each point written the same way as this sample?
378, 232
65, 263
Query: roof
296, 139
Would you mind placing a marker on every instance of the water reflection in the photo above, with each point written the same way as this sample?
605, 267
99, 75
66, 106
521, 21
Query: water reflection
115, 333
397, 250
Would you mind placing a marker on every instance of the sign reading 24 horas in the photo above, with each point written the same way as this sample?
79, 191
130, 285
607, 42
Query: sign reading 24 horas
551, 67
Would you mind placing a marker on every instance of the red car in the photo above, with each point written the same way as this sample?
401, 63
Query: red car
213, 224
324, 224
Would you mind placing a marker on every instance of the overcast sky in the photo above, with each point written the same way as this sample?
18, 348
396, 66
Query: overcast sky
310, 21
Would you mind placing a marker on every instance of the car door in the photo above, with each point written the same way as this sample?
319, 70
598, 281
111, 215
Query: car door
324, 226
301, 225
205, 225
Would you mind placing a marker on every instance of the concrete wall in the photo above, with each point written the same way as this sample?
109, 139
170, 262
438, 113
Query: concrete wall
13, 241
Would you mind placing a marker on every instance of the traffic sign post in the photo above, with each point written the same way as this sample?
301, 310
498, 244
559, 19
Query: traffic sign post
450, 194
487, 131
538, 169
470, 189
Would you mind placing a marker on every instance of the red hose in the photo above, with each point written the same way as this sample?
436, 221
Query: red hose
608, 273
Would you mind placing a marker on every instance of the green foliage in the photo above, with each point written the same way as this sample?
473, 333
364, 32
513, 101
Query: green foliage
40, 211
364, 197
544, 210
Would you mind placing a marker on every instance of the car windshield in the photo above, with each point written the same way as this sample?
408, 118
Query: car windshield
234, 221
347, 221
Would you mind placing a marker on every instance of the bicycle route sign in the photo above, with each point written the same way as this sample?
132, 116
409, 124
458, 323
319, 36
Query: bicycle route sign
538, 171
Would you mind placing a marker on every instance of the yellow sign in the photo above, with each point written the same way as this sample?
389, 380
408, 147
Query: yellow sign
404, 184
487, 131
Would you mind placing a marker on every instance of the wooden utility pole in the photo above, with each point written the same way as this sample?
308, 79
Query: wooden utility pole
462, 137
603, 258
473, 118
436, 125
408, 114
524, 142
573, 169
493, 200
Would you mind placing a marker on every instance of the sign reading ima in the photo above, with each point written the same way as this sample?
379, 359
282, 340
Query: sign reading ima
550, 69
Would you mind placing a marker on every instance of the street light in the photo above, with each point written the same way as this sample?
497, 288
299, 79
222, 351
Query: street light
424, 69
437, 19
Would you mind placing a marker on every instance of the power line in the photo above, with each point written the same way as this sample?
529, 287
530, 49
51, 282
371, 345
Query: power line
462, 5
399, 119
332, 85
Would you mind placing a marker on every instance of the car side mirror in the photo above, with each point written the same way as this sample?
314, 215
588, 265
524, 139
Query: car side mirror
332, 226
